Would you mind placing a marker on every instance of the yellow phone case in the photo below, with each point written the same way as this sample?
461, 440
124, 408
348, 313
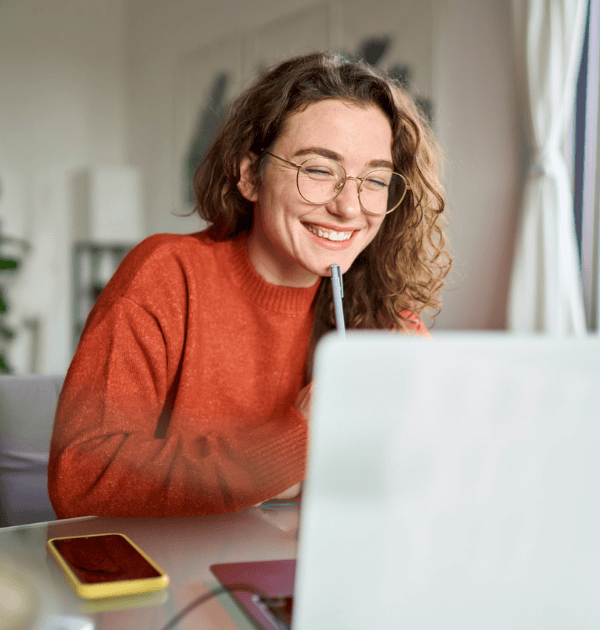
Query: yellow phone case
109, 589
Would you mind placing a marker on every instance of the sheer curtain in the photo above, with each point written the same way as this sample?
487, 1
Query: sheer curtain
545, 291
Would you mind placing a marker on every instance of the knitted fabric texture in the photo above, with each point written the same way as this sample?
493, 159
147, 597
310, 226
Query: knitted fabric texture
180, 397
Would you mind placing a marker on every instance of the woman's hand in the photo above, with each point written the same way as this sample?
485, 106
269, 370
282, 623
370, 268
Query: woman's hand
290, 493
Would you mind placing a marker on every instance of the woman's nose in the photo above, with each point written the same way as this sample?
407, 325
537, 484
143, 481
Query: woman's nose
347, 203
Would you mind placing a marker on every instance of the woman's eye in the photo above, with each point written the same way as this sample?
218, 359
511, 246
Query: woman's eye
375, 183
318, 171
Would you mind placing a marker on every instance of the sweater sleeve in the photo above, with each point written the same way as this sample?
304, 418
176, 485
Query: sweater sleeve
116, 452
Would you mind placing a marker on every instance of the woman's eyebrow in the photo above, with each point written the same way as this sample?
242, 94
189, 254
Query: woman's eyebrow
382, 164
332, 155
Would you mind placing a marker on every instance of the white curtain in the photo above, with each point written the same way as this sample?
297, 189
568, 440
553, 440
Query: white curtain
545, 291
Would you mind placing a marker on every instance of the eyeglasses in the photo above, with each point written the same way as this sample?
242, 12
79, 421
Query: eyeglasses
320, 180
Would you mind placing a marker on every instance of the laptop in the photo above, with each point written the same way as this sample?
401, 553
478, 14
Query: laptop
452, 483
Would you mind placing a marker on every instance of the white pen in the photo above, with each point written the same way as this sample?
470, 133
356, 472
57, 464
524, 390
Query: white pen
337, 286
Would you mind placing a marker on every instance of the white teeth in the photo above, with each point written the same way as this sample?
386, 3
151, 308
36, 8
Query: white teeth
331, 236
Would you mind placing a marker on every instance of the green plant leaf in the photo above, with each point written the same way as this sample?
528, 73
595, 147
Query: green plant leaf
7, 333
3, 305
8, 263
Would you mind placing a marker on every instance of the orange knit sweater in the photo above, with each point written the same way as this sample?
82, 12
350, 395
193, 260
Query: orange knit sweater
179, 399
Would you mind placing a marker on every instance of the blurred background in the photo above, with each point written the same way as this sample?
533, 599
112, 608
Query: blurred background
106, 108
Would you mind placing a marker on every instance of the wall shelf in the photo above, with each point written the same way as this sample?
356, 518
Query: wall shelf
93, 266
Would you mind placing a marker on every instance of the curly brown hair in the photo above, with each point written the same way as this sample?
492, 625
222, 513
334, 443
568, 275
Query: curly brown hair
403, 269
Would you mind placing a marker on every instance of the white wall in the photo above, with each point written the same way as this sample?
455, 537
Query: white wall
85, 83
471, 84
477, 126
160, 36
62, 107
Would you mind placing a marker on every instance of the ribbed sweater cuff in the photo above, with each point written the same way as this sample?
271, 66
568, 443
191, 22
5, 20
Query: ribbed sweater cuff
279, 462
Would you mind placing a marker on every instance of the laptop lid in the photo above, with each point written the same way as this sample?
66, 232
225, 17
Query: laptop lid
452, 483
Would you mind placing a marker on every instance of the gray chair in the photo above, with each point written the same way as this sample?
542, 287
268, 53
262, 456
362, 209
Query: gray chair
27, 406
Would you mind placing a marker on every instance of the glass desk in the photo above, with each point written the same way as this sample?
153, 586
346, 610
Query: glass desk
184, 547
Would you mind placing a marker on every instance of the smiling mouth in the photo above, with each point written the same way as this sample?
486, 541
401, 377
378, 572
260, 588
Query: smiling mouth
330, 235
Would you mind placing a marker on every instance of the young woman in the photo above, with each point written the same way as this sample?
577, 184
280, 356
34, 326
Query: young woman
190, 390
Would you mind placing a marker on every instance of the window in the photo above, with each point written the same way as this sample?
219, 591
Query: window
585, 142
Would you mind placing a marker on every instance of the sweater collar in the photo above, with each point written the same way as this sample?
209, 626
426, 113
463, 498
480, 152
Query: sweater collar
271, 297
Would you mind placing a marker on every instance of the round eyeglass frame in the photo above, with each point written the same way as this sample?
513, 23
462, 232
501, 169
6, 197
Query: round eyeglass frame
359, 183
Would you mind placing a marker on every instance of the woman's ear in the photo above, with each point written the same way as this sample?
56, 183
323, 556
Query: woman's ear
247, 184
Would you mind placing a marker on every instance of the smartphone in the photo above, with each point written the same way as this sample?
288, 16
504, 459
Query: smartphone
106, 565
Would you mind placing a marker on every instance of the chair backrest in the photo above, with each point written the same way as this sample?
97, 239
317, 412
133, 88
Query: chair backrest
27, 406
